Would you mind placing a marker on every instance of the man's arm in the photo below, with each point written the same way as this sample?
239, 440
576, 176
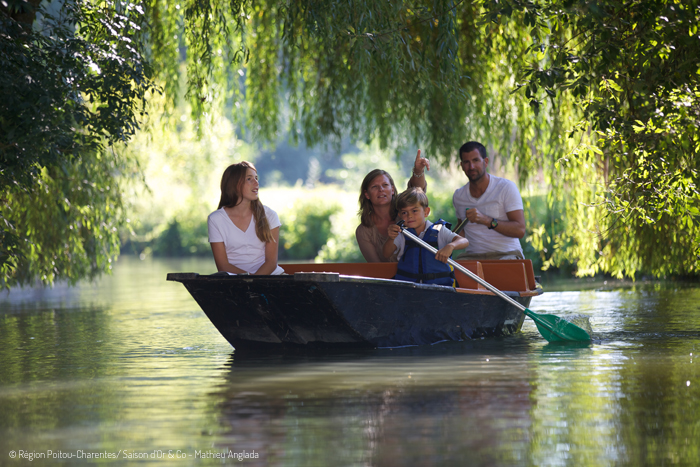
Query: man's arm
514, 226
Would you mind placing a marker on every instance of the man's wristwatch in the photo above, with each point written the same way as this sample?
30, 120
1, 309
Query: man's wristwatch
494, 223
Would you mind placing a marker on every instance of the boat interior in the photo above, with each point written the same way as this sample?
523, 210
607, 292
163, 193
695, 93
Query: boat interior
506, 275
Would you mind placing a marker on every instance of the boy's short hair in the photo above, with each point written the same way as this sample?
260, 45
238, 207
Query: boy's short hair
410, 197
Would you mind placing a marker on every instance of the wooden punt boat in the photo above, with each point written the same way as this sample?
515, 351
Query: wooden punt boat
360, 305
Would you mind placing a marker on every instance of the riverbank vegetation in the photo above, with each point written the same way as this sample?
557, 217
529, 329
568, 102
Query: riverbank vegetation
318, 224
595, 103
315, 193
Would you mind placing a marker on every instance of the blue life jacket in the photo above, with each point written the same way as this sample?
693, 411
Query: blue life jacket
419, 265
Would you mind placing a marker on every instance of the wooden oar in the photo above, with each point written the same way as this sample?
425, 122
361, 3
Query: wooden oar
552, 328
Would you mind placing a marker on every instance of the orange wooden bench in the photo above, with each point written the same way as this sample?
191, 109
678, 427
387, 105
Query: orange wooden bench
508, 275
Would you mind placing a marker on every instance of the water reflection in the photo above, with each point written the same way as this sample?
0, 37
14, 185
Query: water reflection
426, 406
132, 364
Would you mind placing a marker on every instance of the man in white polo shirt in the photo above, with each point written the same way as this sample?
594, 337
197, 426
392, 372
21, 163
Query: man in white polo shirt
493, 207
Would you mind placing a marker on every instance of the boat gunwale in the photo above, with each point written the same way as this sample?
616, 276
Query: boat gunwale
330, 277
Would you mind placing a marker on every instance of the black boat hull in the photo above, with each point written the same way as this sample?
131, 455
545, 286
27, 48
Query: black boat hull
333, 310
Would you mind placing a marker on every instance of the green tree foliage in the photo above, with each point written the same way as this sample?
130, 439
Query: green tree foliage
606, 102
601, 97
631, 185
73, 83
67, 222
181, 165
346, 69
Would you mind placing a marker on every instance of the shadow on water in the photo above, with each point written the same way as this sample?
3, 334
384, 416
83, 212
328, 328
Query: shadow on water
290, 355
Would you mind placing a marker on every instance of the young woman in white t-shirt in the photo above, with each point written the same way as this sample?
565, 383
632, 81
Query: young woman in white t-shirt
244, 234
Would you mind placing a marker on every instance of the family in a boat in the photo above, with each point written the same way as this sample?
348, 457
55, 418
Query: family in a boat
244, 234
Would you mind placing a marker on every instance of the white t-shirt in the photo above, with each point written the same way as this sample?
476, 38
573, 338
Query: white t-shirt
243, 249
445, 236
500, 197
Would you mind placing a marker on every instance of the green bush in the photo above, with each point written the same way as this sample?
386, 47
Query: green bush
341, 246
185, 234
322, 230
441, 207
306, 229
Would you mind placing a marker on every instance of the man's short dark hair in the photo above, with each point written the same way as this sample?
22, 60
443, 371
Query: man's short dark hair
470, 146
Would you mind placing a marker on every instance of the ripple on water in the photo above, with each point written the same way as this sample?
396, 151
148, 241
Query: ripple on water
582, 321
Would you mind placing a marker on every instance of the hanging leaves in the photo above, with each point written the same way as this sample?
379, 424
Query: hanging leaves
599, 98
73, 83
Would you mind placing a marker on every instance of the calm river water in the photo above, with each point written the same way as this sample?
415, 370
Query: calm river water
130, 367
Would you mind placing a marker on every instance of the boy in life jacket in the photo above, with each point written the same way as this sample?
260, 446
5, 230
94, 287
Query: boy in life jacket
416, 263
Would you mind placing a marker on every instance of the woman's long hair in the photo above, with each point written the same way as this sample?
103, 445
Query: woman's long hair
231, 185
365, 211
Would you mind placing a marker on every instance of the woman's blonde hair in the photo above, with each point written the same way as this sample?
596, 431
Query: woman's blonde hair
231, 185
365, 211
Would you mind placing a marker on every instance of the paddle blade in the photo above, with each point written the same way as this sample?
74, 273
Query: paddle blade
556, 329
